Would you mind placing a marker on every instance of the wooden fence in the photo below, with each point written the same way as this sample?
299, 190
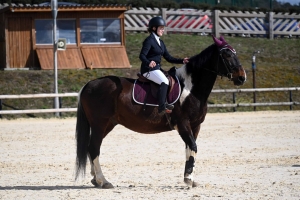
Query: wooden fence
217, 22
290, 103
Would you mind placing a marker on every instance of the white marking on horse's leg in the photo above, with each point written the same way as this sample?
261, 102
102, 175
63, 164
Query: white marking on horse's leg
181, 72
190, 153
189, 177
176, 128
98, 172
92, 166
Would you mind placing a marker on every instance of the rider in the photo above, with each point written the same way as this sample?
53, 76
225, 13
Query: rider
152, 51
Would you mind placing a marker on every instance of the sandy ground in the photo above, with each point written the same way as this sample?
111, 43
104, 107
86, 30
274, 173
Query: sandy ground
254, 155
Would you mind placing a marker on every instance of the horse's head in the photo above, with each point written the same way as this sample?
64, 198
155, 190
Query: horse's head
228, 63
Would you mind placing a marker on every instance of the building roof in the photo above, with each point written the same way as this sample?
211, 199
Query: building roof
62, 6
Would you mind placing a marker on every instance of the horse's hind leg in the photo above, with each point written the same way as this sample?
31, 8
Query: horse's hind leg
94, 152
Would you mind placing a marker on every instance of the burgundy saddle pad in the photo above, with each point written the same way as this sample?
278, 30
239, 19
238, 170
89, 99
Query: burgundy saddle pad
140, 90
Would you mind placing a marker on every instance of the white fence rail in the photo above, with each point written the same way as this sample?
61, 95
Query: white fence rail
38, 111
234, 105
209, 105
33, 96
216, 22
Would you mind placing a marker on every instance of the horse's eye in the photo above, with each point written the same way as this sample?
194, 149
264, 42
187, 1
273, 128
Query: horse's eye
227, 55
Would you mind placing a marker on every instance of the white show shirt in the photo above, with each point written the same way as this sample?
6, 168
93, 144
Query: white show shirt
157, 38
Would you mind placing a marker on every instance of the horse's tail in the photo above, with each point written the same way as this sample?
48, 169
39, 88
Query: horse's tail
82, 139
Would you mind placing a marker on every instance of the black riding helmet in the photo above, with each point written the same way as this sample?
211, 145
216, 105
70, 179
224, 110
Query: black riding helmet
156, 22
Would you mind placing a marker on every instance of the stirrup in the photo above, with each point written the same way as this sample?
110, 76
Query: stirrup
166, 110
169, 107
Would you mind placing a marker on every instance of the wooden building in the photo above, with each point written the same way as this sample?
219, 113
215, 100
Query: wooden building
95, 36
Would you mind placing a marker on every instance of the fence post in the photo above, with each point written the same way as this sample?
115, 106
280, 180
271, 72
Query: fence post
291, 99
271, 35
254, 79
164, 16
60, 105
0, 107
216, 30
233, 100
253, 72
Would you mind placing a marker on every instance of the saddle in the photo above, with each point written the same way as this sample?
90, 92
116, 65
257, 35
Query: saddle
154, 87
145, 91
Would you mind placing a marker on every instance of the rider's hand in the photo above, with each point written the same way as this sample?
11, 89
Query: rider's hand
152, 64
185, 60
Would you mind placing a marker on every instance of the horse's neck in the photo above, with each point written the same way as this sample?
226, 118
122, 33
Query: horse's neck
199, 85
204, 84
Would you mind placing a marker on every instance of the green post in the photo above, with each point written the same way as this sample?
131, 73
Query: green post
271, 4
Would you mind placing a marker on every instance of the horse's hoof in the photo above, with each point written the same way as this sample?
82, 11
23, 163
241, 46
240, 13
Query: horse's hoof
107, 186
104, 186
190, 183
94, 182
195, 184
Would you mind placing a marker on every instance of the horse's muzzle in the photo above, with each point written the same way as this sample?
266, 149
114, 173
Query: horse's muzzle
239, 77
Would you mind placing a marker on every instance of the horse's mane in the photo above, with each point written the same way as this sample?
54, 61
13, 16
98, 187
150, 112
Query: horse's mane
200, 60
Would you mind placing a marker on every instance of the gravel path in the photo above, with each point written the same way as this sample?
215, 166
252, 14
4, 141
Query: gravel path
243, 155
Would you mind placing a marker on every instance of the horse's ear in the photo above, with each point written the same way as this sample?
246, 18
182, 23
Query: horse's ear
217, 41
222, 38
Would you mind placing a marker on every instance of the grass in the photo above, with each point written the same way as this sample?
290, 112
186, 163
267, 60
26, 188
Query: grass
277, 66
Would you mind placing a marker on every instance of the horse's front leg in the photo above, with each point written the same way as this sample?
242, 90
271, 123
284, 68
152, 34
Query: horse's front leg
189, 138
189, 169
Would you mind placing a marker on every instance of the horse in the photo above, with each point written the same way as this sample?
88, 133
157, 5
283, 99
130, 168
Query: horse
106, 102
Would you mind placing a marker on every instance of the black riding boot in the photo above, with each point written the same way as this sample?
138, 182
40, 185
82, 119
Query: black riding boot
162, 95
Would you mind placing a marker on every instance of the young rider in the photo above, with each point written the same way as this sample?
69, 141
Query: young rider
152, 50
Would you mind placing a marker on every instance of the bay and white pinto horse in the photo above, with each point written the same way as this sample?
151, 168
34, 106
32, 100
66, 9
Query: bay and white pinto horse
105, 102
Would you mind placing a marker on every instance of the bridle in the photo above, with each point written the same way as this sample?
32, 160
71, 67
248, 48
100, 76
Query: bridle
229, 68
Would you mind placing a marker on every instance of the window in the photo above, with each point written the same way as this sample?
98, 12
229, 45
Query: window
97, 31
66, 28
92, 31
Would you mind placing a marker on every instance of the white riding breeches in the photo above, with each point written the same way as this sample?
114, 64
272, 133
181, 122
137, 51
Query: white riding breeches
156, 76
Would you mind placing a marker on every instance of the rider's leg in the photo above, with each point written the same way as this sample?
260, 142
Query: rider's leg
158, 77
162, 95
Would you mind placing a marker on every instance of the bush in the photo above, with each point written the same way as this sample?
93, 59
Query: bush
203, 6
220, 7
187, 4
169, 4
294, 10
